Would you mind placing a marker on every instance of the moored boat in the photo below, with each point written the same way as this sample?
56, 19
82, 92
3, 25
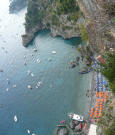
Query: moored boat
15, 118
75, 117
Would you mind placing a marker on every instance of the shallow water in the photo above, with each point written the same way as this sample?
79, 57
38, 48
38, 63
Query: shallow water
62, 89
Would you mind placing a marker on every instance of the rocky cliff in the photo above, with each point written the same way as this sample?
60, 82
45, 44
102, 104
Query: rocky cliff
98, 15
51, 15
96, 18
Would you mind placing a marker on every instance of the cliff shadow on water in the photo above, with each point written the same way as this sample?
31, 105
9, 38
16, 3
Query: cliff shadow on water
74, 41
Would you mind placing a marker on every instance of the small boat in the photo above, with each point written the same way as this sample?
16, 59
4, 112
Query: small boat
29, 87
24, 56
38, 60
75, 117
15, 118
14, 86
33, 134
84, 72
28, 131
38, 84
53, 52
28, 72
32, 74
7, 89
8, 81
35, 50
36, 87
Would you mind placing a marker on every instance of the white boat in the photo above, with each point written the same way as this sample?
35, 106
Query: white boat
14, 86
15, 118
35, 50
53, 52
29, 87
7, 89
32, 74
38, 84
38, 60
28, 72
75, 117
28, 131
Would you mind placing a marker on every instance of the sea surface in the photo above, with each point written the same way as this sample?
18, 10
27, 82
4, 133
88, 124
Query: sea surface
62, 90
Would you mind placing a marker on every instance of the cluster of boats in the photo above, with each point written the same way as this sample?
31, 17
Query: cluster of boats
76, 125
16, 120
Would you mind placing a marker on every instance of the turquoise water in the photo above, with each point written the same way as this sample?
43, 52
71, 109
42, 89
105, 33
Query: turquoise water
62, 89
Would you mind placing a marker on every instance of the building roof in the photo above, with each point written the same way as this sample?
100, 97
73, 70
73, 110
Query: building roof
92, 129
101, 59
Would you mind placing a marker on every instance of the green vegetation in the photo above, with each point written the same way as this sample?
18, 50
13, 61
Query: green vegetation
33, 16
113, 20
84, 33
74, 16
55, 20
108, 69
110, 130
110, 8
67, 6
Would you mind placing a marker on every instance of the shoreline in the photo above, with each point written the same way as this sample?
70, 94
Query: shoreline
90, 94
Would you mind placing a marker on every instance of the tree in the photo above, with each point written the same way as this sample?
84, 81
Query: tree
108, 69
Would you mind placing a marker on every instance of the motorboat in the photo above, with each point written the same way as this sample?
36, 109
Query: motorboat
32, 74
28, 131
75, 117
35, 50
38, 84
53, 52
38, 60
15, 118
14, 86
29, 87
7, 89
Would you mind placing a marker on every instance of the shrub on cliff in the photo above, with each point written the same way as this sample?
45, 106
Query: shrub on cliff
110, 130
110, 8
84, 33
33, 16
108, 69
66, 6
55, 20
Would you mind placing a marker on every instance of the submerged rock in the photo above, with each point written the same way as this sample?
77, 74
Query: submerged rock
63, 131
77, 128
72, 124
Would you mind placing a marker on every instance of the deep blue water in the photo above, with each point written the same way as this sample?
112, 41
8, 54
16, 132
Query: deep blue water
62, 89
